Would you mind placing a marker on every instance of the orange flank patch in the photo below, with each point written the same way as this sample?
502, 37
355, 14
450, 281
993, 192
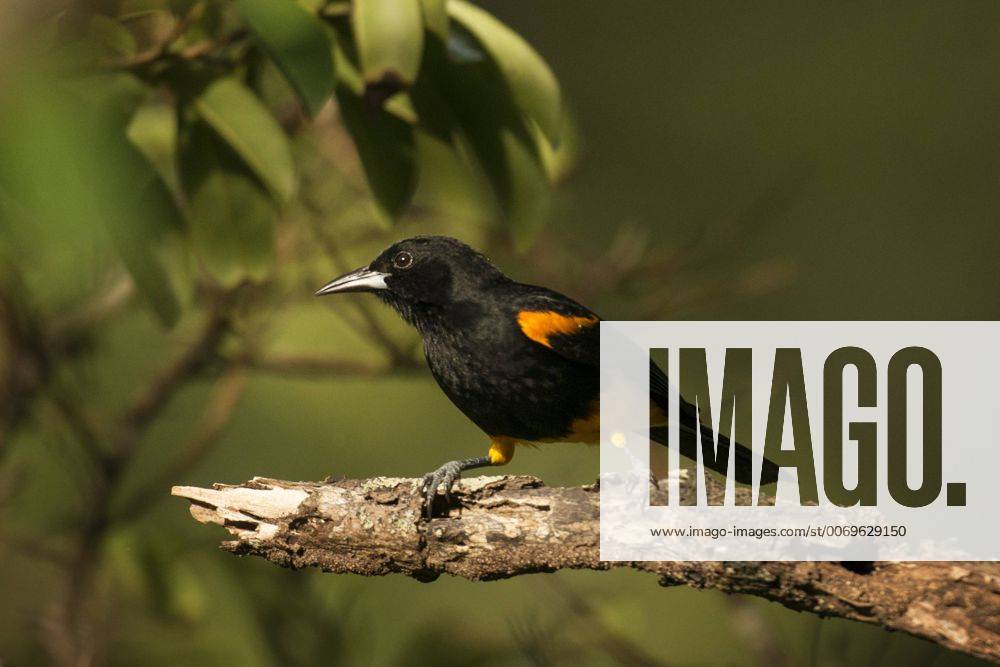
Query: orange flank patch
539, 325
587, 429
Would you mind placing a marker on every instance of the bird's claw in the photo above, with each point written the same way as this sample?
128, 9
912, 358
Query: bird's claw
447, 475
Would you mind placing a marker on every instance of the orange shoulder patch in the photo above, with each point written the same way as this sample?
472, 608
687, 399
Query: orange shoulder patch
539, 325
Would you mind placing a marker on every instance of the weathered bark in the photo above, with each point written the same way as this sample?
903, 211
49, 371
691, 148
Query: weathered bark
501, 527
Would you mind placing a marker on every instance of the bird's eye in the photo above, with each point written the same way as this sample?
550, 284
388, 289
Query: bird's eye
402, 260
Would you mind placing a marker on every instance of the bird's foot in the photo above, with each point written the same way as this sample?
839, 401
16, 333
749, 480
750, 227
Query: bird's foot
447, 474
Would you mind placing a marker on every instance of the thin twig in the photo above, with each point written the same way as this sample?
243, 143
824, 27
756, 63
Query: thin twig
158, 393
81, 424
198, 51
214, 420
134, 423
28, 361
312, 366
94, 311
161, 50
205, 47
619, 648
36, 549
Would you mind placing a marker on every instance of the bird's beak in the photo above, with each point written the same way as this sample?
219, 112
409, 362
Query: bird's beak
360, 280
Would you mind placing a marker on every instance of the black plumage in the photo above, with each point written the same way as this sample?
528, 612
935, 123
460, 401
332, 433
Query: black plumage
521, 361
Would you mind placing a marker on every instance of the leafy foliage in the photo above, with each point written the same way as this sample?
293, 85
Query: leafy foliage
206, 160
297, 43
531, 83
390, 39
233, 111
231, 216
213, 97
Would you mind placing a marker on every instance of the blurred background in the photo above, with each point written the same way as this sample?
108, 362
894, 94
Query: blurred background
177, 177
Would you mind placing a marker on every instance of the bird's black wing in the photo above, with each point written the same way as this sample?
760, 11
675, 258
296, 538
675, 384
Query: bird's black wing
571, 330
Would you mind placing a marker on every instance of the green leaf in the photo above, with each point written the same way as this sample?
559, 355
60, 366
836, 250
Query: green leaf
137, 209
521, 185
153, 130
232, 218
149, 246
386, 148
233, 111
112, 35
144, 225
298, 44
436, 17
559, 160
349, 76
81, 189
493, 130
429, 95
531, 82
390, 39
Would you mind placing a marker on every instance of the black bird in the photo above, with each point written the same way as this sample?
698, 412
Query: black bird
521, 361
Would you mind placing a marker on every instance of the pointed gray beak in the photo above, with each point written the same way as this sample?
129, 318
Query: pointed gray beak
360, 280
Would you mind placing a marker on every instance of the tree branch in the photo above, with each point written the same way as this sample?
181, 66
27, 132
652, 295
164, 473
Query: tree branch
311, 366
502, 527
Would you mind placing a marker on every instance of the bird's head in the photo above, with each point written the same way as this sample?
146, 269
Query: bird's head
423, 278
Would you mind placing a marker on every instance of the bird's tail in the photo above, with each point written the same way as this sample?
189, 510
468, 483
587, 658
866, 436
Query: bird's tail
690, 424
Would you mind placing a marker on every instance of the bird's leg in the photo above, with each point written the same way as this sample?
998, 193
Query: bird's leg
501, 451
